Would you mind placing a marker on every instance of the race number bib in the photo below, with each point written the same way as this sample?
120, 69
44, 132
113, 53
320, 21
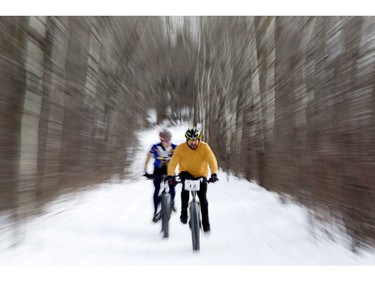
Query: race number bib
192, 185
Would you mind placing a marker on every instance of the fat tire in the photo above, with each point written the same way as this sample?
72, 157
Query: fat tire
194, 225
165, 214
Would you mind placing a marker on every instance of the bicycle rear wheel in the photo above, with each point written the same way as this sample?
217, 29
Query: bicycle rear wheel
194, 224
165, 214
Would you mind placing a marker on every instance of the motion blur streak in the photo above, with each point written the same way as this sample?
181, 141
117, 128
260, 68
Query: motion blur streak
286, 101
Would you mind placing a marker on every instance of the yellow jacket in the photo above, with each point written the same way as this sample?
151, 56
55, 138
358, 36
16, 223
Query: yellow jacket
195, 162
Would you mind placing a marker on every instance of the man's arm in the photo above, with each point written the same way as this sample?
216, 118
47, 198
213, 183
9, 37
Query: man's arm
174, 162
211, 159
149, 155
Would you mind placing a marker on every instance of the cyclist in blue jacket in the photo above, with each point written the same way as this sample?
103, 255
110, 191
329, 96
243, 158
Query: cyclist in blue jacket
162, 153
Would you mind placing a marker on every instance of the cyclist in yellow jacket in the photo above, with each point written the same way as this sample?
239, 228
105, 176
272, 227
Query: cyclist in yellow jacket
194, 157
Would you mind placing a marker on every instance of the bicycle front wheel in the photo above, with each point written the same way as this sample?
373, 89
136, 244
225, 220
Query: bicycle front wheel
194, 225
165, 214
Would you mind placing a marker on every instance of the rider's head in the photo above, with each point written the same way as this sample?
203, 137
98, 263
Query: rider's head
193, 136
165, 137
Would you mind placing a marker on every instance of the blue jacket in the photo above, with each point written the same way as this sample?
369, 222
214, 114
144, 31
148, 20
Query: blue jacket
161, 157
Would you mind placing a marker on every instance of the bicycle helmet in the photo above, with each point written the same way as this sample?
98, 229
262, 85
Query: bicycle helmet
193, 134
165, 135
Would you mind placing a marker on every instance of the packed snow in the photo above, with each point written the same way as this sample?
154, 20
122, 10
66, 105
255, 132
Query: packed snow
111, 225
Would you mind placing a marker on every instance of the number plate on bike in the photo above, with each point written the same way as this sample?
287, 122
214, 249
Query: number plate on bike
192, 185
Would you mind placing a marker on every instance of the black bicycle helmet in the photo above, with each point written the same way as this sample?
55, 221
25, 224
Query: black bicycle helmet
193, 134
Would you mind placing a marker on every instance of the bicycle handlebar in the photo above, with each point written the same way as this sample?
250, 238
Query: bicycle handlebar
164, 177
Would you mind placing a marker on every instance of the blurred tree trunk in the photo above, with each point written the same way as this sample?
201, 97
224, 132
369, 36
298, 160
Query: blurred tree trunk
285, 101
13, 83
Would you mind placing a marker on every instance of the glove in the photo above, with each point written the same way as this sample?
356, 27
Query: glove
213, 178
171, 181
148, 176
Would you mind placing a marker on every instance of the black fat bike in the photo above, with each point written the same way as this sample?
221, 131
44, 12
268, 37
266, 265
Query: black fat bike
166, 208
165, 205
193, 186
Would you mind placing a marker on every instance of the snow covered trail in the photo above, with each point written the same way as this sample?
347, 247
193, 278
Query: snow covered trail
111, 225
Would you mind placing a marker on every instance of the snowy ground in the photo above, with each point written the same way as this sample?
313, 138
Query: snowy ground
112, 226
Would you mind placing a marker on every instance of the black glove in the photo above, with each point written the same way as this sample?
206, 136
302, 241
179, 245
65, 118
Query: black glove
171, 180
213, 178
148, 176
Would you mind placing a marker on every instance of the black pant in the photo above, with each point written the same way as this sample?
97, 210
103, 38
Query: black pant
202, 195
157, 184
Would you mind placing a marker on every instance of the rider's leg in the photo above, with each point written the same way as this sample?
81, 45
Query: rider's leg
184, 197
184, 205
157, 181
202, 194
172, 192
